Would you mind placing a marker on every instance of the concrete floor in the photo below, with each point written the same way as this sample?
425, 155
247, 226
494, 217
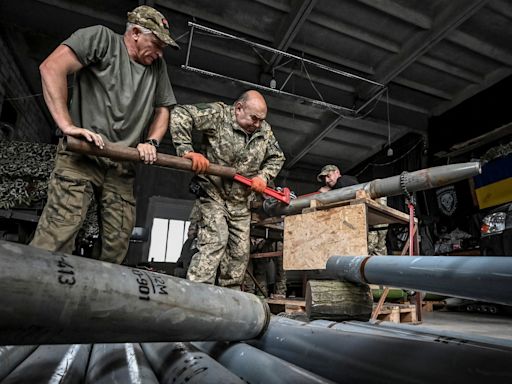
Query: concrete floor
498, 326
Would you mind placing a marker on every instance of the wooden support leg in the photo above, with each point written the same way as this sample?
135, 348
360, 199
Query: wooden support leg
256, 283
378, 308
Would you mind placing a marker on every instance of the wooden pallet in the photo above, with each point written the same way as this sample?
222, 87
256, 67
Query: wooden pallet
429, 306
286, 305
398, 313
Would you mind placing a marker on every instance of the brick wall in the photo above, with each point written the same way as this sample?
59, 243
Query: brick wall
31, 124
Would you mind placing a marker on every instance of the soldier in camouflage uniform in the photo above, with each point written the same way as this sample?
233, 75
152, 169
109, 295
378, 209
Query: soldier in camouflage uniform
121, 89
236, 136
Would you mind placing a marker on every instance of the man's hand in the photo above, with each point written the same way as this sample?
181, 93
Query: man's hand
147, 153
199, 163
258, 184
90, 136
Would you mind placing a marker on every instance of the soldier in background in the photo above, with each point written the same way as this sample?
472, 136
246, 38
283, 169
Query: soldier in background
236, 136
121, 89
332, 178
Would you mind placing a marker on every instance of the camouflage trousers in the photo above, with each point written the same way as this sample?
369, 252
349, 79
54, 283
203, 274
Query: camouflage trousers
223, 243
74, 180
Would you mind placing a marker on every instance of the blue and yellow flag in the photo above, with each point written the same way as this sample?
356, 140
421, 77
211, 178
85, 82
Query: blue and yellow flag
494, 186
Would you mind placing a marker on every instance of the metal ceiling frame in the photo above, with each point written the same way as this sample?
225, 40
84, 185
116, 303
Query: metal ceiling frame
279, 53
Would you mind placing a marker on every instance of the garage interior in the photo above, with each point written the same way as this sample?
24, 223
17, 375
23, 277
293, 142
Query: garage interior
379, 88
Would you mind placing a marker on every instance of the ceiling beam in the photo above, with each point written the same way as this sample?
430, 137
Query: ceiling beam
450, 69
400, 12
85, 10
311, 140
289, 28
481, 47
502, 7
357, 33
188, 8
369, 125
452, 15
423, 88
473, 89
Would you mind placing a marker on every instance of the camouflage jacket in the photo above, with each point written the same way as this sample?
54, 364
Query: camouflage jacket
226, 144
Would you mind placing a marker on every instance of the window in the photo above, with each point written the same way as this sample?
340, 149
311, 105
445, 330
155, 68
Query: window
167, 238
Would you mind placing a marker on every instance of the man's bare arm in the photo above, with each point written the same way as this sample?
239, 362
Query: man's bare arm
54, 71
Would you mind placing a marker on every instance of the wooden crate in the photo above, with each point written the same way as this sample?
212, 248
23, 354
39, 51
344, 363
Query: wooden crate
341, 228
429, 306
311, 238
398, 313
286, 305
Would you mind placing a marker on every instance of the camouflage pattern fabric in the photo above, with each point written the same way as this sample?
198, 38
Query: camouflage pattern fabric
227, 144
377, 242
497, 151
377, 238
75, 179
223, 240
280, 285
25, 170
223, 243
195, 214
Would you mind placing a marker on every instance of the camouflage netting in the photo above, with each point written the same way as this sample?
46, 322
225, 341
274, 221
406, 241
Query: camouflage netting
499, 151
25, 170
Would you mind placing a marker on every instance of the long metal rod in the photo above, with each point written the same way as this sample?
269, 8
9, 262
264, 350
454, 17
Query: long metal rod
375, 96
373, 357
184, 363
283, 53
413, 181
189, 45
122, 153
479, 278
52, 298
256, 366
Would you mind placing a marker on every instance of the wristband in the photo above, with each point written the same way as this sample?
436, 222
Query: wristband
153, 142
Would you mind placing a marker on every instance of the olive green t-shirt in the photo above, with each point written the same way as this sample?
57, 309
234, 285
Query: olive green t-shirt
113, 95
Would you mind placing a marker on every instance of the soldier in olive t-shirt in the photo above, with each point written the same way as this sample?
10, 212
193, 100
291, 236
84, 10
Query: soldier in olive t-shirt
121, 88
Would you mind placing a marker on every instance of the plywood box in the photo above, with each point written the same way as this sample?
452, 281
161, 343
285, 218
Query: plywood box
311, 238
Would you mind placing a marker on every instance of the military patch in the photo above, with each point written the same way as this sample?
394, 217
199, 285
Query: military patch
447, 200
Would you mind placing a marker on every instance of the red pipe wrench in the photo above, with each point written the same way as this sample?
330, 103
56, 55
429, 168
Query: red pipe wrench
280, 196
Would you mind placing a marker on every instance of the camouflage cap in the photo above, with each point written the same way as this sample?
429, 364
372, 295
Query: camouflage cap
325, 171
150, 18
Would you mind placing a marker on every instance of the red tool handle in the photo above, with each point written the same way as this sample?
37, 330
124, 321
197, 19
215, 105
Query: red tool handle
280, 196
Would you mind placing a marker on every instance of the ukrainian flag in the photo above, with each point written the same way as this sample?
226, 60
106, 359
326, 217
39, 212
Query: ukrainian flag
494, 185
